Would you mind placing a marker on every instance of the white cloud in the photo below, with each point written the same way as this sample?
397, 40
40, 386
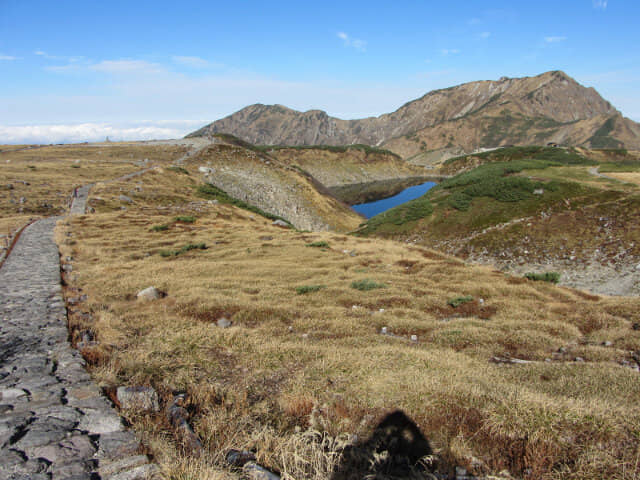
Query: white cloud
7, 57
95, 132
356, 43
449, 51
193, 62
474, 21
43, 54
126, 66
554, 39
485, 34
600, 4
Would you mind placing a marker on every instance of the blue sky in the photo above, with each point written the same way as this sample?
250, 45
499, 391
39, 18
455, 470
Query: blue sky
76, 70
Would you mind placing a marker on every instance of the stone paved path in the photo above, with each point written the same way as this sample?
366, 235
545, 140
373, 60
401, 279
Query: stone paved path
54, 421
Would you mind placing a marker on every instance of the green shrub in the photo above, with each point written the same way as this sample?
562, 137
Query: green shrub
318, 244
457, 301
184, 249
185, 219
159, 228
551, 277
75, 166
366, 284
309, 288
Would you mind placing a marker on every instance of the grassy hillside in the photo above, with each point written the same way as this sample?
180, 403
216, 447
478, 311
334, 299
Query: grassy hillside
305, 354
518, 207
38, 182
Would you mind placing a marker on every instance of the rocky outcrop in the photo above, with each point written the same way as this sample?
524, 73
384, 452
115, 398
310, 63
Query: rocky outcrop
530, 110
276, 188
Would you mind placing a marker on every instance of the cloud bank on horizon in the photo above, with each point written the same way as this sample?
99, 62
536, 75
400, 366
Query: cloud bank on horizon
93, 132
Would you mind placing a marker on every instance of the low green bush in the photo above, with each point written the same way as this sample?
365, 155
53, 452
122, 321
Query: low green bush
184, 249
159, 228
457, 301
366, 284
301, 290
318, 244
551, 277
185, 219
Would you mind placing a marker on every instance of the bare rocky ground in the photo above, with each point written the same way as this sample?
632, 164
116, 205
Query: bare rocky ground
594, 276
54, 421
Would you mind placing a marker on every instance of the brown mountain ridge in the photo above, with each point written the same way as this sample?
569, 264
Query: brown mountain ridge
551, 107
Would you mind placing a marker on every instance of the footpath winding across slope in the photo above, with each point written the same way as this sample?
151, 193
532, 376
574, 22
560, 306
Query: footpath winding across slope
54, 421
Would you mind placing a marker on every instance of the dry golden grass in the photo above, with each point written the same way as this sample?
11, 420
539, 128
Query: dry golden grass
629, 177
293, 364
46, 176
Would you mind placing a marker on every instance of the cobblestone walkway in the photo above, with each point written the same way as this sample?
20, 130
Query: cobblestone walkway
54, 421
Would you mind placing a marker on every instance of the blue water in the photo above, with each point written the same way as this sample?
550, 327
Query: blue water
374, 208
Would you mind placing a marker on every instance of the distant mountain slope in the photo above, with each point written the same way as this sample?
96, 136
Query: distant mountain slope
551, 107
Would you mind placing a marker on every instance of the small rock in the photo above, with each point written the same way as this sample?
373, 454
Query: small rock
414, 338
223, 323
562, 350
253, 471
461, 472
23, 200
138, 398
579, 359
305, 335
481, 301
238, 458
280, 223
607, 343
538, 191
12, 393
150, 293
124, 198
383, 330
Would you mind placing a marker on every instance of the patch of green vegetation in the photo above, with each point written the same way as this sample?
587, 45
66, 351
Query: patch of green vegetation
368, 149
184, 249
551, 277
366, 285
602, 138
457, 301
301, 290
318, 244
212, 192
75, 165
492, 171
178, 170
185, 219
159, 228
